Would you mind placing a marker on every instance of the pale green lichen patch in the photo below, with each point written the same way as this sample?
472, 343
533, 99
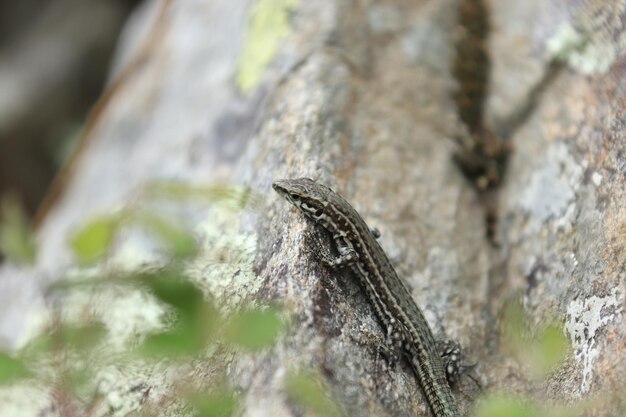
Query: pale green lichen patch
223, 267
594, 42
580, 53
268, 26
126, 312
125, 387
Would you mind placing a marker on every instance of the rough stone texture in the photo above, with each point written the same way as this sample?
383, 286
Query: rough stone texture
359, 97
563, 225
562, 218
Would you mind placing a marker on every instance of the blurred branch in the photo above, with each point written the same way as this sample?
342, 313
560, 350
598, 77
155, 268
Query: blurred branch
52, 67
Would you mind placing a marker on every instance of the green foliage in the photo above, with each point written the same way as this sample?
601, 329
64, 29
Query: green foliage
17, 239
77, 378
178, 241
253, 329
539, 351
72, 352
196, 324
93, 241
196, 318
77, 338
178, 342
81, 337
307, 391
239, 197
221, 403
38, 347
11, 369
549, 349
504, 406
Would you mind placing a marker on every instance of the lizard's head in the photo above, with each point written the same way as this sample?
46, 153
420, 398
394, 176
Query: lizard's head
304, 193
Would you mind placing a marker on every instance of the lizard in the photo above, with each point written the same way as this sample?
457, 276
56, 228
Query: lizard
404, 323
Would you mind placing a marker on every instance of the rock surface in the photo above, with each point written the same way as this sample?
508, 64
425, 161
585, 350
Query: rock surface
358, 95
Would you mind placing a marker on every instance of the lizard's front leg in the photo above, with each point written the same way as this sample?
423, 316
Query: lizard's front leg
321, 244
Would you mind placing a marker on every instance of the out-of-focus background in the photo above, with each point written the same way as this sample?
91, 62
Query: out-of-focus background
163, 277
55, 56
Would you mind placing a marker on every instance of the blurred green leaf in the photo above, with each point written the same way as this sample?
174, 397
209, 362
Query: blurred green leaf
179, 342
221, 403
37, 347
538, 353
175, 190
504, 406
82, 337
253, 329
173, 288
307, 391
17, 238
196, 319
78, 379
11, 369
549, 349
179, 241
88, 282
93, 241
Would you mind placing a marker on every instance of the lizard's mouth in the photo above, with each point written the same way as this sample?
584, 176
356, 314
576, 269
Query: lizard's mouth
279, 187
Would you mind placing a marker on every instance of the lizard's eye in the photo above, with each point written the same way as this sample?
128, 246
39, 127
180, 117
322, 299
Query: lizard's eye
295, 197
318, 213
